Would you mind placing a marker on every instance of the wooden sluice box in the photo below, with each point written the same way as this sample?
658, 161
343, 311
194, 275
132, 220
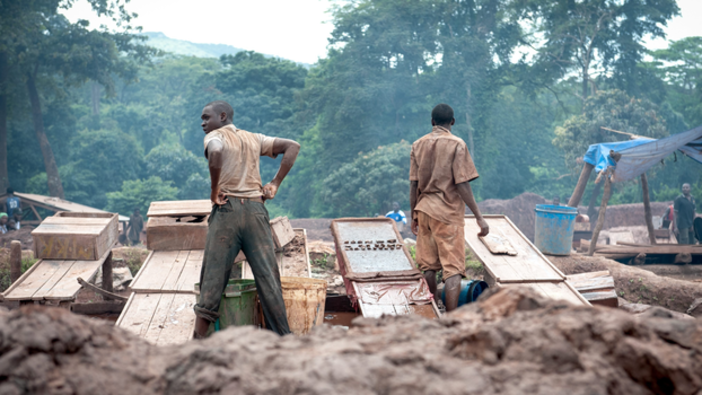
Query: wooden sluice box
525, 265
378, 270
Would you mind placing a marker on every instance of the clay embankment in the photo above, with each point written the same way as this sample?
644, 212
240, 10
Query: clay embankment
512, 343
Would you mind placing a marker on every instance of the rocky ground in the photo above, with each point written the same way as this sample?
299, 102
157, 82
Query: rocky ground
512, 342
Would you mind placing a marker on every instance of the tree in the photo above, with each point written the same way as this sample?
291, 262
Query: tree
188, 173
592, 36
140, 194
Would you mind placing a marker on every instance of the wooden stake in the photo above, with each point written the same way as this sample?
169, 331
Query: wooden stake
107, 276
580, 187
601, 215
647, 209
15, 260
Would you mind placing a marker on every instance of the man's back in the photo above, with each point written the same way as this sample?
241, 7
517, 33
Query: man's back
439, 161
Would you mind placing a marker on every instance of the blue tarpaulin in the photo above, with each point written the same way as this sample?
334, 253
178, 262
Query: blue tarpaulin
637, 156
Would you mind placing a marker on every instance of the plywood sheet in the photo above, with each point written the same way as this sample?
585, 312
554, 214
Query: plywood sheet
180, 208
169, 271
162, 319
371, 246
528, 265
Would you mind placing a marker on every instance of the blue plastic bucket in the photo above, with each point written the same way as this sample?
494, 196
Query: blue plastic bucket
554, 228
470, 290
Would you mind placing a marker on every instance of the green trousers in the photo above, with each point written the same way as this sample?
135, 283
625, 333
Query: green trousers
241, 224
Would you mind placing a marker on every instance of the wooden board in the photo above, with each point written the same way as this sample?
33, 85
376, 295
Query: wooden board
166, 234
75, 236
497, 244
53, 280
596, 287
282, 231
180, 208
169, 271
554, 290
295, 265
528, 265
160, 318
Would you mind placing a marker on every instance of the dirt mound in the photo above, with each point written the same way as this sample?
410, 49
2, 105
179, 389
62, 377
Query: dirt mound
512, 342
317, 228
24, 235
631, 214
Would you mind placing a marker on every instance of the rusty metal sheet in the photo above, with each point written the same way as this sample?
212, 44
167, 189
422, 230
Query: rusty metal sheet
376, 299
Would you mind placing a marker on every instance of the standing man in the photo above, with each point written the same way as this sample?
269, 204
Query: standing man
684, 206
136, 224
440, 171
398, 216
12, 202
239, 220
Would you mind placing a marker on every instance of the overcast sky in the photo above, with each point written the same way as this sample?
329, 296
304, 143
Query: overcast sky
291, 29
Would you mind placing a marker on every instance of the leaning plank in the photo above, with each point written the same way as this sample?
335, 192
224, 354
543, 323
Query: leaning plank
191, 272
282, 232
171, 280
591, 281
159, 318
67, 288
62, 267
136, 316
27, 287
153, 273
180, 321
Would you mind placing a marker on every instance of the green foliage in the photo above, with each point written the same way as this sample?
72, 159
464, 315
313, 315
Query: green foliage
190, 174
371, 183
140, 194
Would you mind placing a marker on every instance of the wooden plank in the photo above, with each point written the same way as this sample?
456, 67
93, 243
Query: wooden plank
179, 325
22, 278
606, 298
158, 321
191, 272
165, 234
27, 287
154, 271
528, 265
138, 313
75, 238
62, 267
148, 258
170, 283
591, 281
180, 208
125, 310
497, 244
554, 290
67, 288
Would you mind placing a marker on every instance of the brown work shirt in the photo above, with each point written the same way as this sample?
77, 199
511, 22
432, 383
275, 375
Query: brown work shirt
240, 176
439, 161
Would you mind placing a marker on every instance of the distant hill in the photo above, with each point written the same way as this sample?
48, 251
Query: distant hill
187, 48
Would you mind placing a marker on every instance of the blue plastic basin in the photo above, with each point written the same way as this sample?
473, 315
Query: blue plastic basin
554, 228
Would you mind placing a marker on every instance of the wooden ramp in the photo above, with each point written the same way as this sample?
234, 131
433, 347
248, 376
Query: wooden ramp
53, 280
169, 271
529, 267
160, 318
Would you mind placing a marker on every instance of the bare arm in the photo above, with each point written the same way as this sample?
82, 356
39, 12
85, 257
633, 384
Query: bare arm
414, 195
215, 160
467, 195
289, 149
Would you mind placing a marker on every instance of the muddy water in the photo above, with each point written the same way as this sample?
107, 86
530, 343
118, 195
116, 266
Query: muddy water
339, 318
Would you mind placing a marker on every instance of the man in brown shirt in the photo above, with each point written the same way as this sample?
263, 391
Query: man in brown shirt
440, 173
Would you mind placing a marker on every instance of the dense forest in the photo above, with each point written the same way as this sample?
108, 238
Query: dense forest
102, 119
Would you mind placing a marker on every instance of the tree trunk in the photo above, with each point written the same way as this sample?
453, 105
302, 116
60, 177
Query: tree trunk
647, 209
4, 177
601, 216
52, 174
469, 121
591, 205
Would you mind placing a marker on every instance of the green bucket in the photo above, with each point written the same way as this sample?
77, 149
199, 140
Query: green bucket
238, 305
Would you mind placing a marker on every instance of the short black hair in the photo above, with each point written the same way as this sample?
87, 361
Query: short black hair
442, 114
220, 106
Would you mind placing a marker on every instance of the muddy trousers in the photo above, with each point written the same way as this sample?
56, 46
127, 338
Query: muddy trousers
241, 224
686, 236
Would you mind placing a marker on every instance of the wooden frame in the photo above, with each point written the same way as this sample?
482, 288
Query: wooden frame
76, 236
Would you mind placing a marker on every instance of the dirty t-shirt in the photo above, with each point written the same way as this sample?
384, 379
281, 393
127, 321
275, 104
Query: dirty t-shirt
240, 176
439, 161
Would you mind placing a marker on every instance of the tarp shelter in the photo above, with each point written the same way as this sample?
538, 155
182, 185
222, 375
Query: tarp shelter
637, 156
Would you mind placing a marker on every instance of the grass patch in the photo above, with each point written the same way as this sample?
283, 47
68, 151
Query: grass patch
5, 272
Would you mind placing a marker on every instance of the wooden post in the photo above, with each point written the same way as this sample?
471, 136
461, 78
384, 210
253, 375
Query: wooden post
107, 276
601, 215
15, 260
591, 206
580, 187
647, 209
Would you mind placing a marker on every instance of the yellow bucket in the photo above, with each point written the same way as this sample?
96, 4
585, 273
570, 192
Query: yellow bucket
304, 302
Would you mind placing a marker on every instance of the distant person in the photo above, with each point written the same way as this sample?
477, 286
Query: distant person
556, 201
440, 173
17, 217
12, 202
684, 206
669, 217
136, 224
398, 216
3, 223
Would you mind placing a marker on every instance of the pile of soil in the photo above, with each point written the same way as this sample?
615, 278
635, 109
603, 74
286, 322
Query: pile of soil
630, 214
512, 342
294, 257
24, 235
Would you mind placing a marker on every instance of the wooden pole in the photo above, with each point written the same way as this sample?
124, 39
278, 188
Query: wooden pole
15, 260
647, 209
107, 276
580, 187
601, 214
